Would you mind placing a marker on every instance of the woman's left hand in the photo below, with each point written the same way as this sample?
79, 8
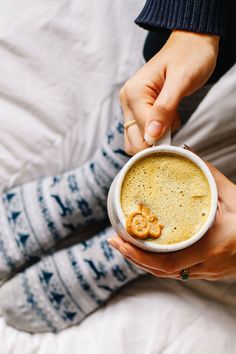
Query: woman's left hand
211, 258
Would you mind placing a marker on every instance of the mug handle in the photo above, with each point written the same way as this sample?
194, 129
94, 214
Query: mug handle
165, 139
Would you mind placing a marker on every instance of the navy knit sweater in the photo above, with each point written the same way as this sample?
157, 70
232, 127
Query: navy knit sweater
204, 16
207, 16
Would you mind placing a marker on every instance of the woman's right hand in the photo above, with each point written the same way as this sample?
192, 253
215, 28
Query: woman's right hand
153, 94
213, 257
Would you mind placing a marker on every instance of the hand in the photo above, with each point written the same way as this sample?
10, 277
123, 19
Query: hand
213, 257
153, 94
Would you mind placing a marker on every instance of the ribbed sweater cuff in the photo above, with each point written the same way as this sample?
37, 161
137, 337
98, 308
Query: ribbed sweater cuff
205, 16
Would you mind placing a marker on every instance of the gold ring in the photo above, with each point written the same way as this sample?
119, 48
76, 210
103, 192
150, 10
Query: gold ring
128, 124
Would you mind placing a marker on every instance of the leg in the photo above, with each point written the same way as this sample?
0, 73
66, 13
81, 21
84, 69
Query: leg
38, 214
62, 289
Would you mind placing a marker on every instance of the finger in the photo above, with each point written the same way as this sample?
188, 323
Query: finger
133, 137
136, 109
128, 116
127, 112
166, 262
211, 277
215, 268
199, 271
207, 269
134, 141
157, 273
164, 110
194, 273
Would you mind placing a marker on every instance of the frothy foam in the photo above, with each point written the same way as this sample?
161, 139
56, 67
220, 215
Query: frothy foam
174, 188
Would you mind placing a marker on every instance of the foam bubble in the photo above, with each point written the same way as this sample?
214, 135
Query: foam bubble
174, 188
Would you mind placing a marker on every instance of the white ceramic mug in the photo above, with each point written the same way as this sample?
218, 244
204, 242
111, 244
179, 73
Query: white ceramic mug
117, 217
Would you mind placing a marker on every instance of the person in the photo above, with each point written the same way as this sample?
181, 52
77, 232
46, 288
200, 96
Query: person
182, 52
62, 287
151, 99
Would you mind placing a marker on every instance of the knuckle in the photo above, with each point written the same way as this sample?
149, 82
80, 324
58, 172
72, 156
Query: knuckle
132, 146
185, 75
138, 147
164, 107
127, 91
122, 94
129, 150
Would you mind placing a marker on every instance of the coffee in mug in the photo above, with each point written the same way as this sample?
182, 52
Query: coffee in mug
164, 199
173, 191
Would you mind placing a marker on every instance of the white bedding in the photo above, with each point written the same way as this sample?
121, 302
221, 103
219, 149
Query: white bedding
62, 62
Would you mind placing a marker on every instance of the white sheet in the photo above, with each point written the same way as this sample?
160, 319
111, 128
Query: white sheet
62, 62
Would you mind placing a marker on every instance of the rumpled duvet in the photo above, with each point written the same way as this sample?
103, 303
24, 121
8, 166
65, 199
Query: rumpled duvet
62, 64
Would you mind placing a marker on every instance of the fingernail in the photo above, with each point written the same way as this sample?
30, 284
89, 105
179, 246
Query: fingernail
153, 132
154, 128
149, 139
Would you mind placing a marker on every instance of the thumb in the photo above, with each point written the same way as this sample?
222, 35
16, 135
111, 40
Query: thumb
163, 111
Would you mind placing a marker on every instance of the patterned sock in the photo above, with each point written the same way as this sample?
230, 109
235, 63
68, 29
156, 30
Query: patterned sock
38, 214
62, 289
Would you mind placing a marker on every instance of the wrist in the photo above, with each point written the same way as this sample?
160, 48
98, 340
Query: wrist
211, 39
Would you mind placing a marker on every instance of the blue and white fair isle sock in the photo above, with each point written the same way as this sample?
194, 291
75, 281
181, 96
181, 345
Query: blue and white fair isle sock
62, 289
35, 216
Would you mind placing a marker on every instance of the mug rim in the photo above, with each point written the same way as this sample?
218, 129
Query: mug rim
150, 245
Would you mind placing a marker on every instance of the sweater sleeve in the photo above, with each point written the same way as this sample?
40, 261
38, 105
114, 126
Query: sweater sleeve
205, 16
